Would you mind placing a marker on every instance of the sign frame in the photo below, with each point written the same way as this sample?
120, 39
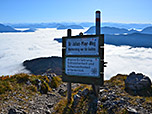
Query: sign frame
84, 79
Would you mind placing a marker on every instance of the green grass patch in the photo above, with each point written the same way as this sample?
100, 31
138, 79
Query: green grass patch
118, 80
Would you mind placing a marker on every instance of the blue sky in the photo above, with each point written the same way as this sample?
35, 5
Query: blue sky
35, 11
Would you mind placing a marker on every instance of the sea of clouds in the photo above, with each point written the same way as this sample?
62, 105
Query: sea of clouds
18, 47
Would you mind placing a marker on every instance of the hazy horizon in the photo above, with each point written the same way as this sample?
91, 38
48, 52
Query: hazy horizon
71, 22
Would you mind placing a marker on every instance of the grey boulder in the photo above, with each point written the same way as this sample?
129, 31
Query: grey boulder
137, 83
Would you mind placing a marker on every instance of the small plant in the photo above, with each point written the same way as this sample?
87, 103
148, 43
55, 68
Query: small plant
44, 87
22, 78
32, 88
4, 77
5, 86
55, 82
46, 79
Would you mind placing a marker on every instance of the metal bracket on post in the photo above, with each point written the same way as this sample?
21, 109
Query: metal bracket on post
69, 83
80, 34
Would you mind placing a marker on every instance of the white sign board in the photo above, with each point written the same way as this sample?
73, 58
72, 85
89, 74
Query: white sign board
82, 66
82, 46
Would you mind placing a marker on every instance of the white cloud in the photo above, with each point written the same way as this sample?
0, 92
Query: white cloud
124, 60
17, 47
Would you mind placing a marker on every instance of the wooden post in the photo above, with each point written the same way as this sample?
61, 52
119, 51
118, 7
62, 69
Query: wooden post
69, 91
95, 87
69, 83
98, 23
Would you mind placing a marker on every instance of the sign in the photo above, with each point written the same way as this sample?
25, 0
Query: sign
83, 59
82, 66
82, 46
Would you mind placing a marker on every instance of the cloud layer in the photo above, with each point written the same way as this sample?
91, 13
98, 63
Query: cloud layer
125, 60
17, 47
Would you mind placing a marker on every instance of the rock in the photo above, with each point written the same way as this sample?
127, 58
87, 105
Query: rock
121, 102
12, 111
110, 109
101, 90
103, 98
31, 102
38, 83
99, 103
15, 111
85, 92
132, 111
79, 93
135, 83
107, 104
61, 92
50, 78
50, 105
28, 82
76, 99
48, 112
51, 95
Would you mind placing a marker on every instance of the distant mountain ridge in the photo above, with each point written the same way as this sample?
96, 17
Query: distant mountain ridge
106, 30
83, 24
52, 25
134, 40
121, 36
4, 28
40, 66
147, 30
69, 27
114, 30
126, 25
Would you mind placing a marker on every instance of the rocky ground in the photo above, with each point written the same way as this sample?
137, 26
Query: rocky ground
23, 102
112, 99
37, 104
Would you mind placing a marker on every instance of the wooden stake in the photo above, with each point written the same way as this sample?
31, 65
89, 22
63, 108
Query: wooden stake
69, 83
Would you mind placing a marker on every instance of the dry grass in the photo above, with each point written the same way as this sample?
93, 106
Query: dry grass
63, 107
117, 80
16, 86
